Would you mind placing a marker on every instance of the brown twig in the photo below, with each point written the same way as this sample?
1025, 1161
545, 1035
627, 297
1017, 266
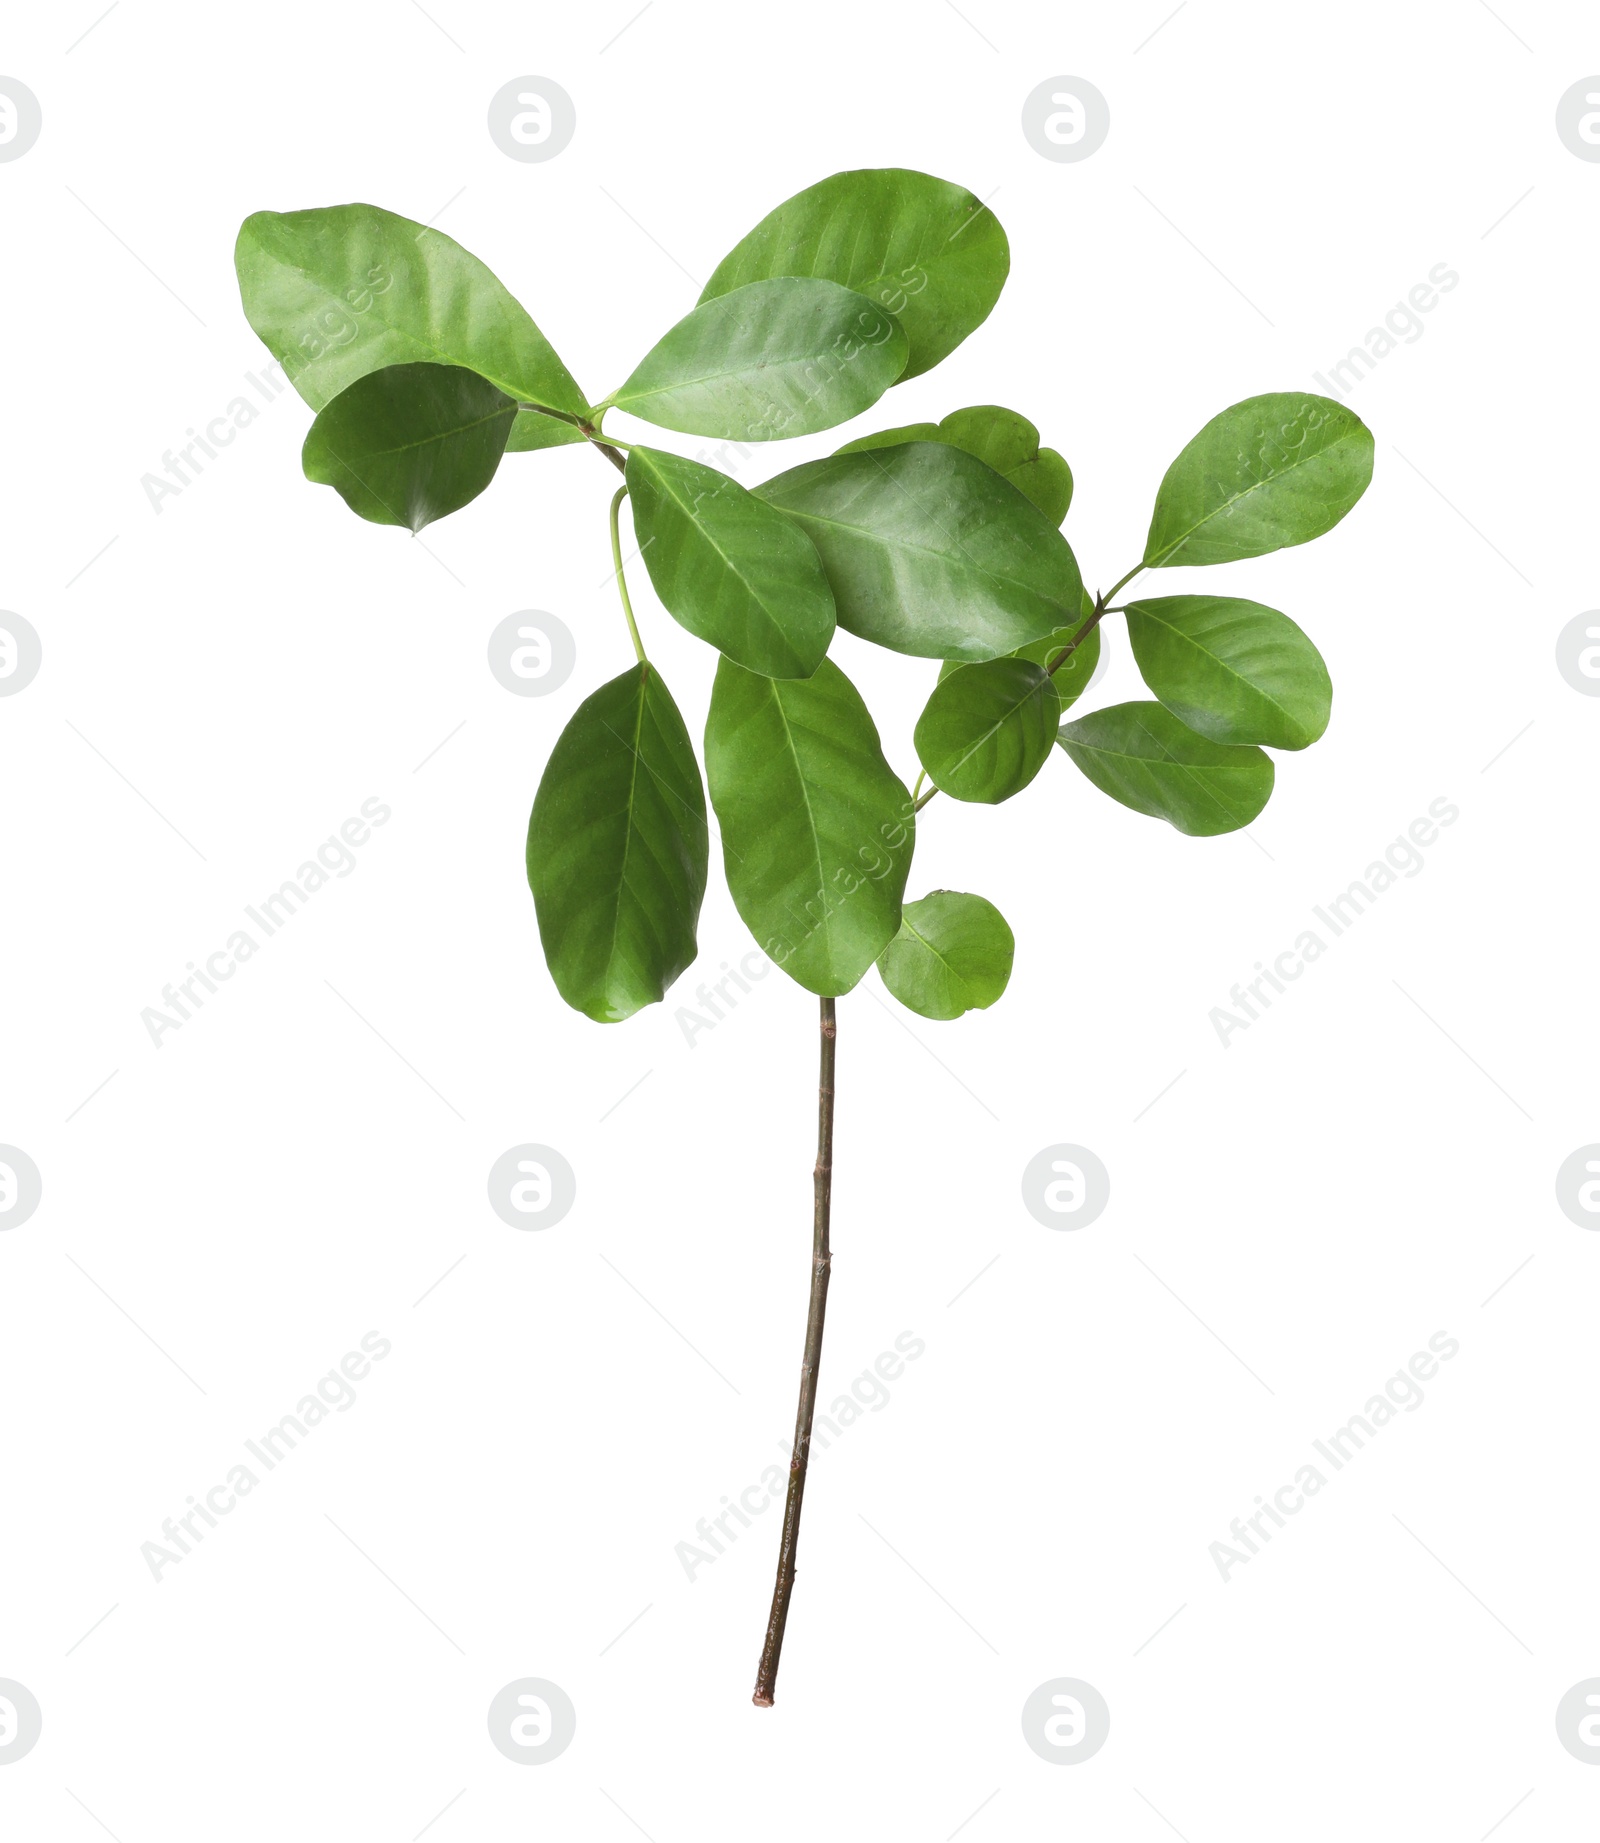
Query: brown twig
821, 1261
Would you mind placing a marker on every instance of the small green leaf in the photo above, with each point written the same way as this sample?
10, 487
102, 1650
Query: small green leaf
728, 567
1231, 669
1070, 678
338, 292
769, 361
928, 251
1143, 756
1001, 437
411, 443
1005, 441
930, 552
1267, 473
533, 430
953, 954
987, 729
1047, 480
817, 829
617, 849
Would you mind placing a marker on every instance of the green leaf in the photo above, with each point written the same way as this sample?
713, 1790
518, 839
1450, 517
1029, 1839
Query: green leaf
817, 829
953, 954
1143, 756
1231, 669
1267, 473
928, 251
1007, 442
770, 361
533, 429
339, 292
930, 552
1047, 480
987, 729
728, 567
411, 443
617, 849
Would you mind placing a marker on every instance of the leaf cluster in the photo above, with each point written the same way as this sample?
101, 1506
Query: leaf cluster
940, 541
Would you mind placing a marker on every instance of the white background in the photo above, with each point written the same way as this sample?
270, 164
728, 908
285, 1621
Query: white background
302, 1161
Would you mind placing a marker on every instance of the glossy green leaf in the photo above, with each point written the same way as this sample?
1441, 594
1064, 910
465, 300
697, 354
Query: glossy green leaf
1007, 442
1267, 473
617, 849
1143, 756
338, 292
928, 251
930, 552
817, 829
987, 729
953, 954
533, 430
1231, 669
728, 567
411, 443
769, 361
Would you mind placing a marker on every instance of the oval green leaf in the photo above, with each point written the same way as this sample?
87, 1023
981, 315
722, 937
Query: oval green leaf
928, 251
953, 954
1232, 669
728, 567
617, 849
817, 829
1143, 756
769, 361
987, 729
411, 443
1009, 443
1269, 472
930, 552
338, 292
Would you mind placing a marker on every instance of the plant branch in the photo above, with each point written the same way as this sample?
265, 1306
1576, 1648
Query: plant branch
622, 581
821, 1262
